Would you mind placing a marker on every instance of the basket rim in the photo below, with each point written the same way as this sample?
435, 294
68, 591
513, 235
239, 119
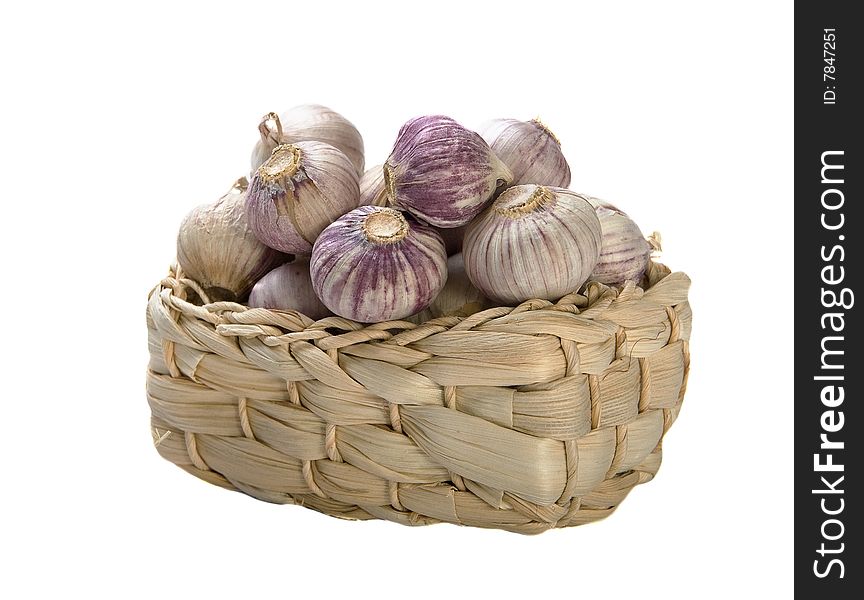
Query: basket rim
592, 303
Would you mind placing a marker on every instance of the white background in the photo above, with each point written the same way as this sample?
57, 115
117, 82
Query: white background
116, 121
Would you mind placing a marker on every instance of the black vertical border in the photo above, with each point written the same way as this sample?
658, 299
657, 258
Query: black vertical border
821, 127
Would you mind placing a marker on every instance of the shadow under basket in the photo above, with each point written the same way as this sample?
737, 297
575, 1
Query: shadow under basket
528, 418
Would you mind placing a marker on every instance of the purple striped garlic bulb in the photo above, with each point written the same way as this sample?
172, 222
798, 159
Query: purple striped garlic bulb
289, 287
441, 172
297, 192
377, 264
533, 242
308, 123
217, 248
530, 150
624, 251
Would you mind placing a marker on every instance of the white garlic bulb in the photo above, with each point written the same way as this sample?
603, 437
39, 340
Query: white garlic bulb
304, 123
530, 150
624, 251
532, 242
459, 297
289, 287
378, 264
297, 192
218, 250
372, 190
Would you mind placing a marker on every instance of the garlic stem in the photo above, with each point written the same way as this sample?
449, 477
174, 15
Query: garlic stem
240, 186
266, 131
389, 184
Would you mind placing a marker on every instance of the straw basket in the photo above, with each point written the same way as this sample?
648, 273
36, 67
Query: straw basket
527, 418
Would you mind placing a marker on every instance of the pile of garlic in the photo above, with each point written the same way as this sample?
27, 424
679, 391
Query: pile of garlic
453, 222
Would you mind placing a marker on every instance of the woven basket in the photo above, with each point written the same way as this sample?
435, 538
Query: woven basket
544, 415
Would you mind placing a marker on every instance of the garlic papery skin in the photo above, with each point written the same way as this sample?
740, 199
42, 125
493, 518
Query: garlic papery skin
624, 251
289, 287
218, 250
297, 192
459, 297
378, 264
372, 190
441, 172
532, 242
453, 238
304, 123
530, 150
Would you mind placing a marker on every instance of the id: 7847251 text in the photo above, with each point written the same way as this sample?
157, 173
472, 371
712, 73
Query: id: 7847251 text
829, 71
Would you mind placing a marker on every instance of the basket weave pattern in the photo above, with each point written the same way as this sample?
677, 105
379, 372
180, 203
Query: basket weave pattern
527, 418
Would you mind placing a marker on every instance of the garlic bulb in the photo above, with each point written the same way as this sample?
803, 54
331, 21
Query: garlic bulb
372, 191
533, 242
459, 297
530, 150
377, 264
289, 287
297, 192
442, 172
217, 249
305, 123
624, 251
453, 238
